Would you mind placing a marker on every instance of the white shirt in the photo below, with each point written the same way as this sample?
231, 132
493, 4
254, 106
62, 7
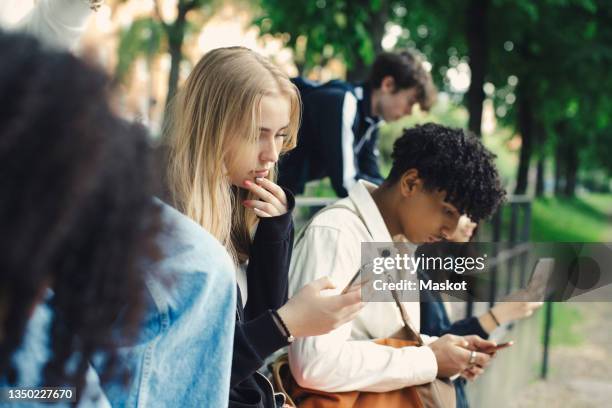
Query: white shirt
57, 23
350, 150
347, 359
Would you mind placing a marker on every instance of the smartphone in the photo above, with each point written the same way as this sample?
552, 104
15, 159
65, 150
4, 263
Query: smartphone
500, 346
538, 284
355, 280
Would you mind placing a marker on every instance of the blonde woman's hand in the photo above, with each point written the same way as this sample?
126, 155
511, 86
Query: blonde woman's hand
308, 313
272, 199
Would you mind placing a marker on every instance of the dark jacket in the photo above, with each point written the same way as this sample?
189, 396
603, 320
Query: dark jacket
257, 335
319, 152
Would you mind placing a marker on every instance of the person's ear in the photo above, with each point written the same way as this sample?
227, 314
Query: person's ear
410, 182
388, 84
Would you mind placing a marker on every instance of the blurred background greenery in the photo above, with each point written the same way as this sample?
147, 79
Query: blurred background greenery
529, 77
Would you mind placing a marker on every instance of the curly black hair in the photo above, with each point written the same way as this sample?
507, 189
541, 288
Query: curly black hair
76, 211
453, 161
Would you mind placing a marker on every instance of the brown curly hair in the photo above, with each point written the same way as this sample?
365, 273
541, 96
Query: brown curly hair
76, 211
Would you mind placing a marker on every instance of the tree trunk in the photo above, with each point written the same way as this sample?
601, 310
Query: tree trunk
558, 172
539, 188
176, 57
559, 157
376, 28
176, 35
301, 68
525, 119
476, 18
571, 170
541, 166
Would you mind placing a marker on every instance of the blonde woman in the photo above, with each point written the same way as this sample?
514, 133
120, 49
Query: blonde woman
233, 118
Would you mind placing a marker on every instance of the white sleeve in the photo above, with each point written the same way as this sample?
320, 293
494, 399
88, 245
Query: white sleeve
428, 339
349, 169
334, 362
58, 23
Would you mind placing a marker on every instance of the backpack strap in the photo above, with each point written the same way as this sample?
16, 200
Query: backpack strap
412, 334
335, 206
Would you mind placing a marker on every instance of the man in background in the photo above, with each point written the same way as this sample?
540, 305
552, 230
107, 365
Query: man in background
338, 135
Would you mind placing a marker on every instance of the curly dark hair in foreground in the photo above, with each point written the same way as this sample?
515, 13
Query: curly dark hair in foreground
452, 161
76, 211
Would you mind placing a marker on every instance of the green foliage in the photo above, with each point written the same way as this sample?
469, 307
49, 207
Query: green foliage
321, 29
142, 38
566, 322
152, 35
553, 54
577, 219
561, 72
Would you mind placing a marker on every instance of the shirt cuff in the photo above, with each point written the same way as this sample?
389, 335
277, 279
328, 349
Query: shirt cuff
271, 338
426, 359
428, 339
277, 228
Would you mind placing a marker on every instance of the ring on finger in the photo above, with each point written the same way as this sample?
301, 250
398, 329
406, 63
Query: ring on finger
472, 359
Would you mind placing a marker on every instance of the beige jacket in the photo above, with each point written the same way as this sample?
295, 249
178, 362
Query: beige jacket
346, 359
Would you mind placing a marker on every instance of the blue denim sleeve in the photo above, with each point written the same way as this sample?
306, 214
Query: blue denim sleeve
32, 355
182, 356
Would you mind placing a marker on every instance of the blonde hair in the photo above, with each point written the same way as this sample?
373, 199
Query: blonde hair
220, 102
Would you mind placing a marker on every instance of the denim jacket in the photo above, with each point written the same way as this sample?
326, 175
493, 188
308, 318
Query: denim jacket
32, 355
183, 351
182, 356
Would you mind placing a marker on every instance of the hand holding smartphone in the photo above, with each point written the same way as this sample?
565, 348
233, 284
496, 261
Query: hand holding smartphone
500, 346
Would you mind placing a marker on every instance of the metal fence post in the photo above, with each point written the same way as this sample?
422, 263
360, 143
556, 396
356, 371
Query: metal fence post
547, 326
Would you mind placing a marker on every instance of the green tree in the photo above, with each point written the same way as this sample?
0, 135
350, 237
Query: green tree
555, 70
152, 35
321, 29
550, 84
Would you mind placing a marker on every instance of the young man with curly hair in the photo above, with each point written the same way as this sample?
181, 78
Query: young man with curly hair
438, 174
338, 135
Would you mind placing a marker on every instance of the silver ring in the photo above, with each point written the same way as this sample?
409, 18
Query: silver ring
472, 358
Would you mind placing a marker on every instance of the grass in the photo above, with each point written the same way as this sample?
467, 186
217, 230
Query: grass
585, 218
566, 321
578, 219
